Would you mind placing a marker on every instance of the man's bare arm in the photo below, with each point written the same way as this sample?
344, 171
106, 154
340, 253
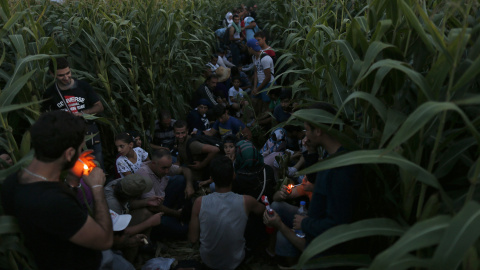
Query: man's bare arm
194, 227
96, 233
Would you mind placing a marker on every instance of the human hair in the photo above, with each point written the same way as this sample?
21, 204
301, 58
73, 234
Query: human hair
212, 76
275, 92
234, 71
214, 56
221, 171
293, 128
235, 16
62, 63
160, 153
180, 124
259, 34
125, 137
323, 106
285, 94
3, 151
54, 132
236, 79
219, 110
165, 114
230, 139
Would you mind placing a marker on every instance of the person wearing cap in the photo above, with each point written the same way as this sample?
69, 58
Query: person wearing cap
221, 89
262, 75
124, 196
197, 119
57, 231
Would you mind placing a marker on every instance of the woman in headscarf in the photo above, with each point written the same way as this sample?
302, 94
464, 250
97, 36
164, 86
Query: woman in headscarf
228, 19
253, 177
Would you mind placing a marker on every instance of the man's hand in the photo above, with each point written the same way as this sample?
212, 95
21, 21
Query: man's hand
297, 222
281, 195
135, 240
272, 221
197, 165
96, 177
189, 190
85, 158
154, 201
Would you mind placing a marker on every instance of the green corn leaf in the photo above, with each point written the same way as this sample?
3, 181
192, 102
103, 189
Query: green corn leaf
343, 233
415, 23
334, 261
452, 154
19, 44
347, 50
468, 76
9, 108
382, 27
421, 116
409, 262
458, 238
11, 22
416, 77
421, 235
339, 92
373, 50
11, 90
376, 103
374, 157
8, 225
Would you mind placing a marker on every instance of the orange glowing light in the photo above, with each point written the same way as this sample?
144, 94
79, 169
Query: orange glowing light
85, 167
289, 188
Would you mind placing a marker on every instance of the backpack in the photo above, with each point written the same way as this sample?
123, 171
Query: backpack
215, 141
262, 55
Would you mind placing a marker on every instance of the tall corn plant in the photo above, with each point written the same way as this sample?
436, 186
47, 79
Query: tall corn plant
405, 74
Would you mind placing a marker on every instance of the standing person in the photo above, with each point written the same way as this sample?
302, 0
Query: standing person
80, 98
249, 26
263, 75
260, 37
235, 38
131, 157
219, 219
58, 232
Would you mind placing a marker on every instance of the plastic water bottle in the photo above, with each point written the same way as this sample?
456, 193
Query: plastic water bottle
268, 229
303, 212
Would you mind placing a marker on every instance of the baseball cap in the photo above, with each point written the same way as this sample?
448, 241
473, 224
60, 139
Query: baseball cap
134, 185
119, 222
253, 43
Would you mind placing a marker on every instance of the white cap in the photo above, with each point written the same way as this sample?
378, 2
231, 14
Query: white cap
119, 222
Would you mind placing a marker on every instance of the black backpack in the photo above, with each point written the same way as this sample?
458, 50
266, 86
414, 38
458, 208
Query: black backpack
215, 141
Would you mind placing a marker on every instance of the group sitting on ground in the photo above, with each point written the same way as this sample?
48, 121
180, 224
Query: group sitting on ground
174, 184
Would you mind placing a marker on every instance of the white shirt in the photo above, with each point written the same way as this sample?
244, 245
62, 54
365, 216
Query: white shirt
263, 63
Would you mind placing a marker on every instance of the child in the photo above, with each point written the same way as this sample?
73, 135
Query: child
229, 146
6, 160
235, 94
131, 157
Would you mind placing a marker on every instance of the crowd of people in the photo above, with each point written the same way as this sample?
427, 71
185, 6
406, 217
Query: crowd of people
200, 178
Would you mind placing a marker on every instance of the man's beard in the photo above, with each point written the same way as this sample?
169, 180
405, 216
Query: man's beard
69, 164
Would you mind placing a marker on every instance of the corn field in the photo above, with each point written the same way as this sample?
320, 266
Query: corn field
403, 74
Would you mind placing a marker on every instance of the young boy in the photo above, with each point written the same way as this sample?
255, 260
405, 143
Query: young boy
219, 219
235, 94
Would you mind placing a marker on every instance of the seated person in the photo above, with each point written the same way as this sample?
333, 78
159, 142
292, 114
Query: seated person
266, 119
207, 91
245, 83
123, 197
131, 157
221, 89
137, 140
192, 152
225, 124
282, 220
335, 193
172, 188
5, 159
213, 65
283, 111
219, 219
275, 146
163, 137
197, 118
235, 96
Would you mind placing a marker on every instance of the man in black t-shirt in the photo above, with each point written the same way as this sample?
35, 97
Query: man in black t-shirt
57, 231
80, 98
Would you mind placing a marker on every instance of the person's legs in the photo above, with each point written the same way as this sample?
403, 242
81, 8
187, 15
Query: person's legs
174, 192
283, 247
235, 53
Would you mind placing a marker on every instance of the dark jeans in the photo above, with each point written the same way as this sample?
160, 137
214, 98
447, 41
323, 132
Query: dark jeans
97, 152
235, 53
171, 227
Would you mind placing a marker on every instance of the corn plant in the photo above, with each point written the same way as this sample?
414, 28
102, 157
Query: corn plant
404, 75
